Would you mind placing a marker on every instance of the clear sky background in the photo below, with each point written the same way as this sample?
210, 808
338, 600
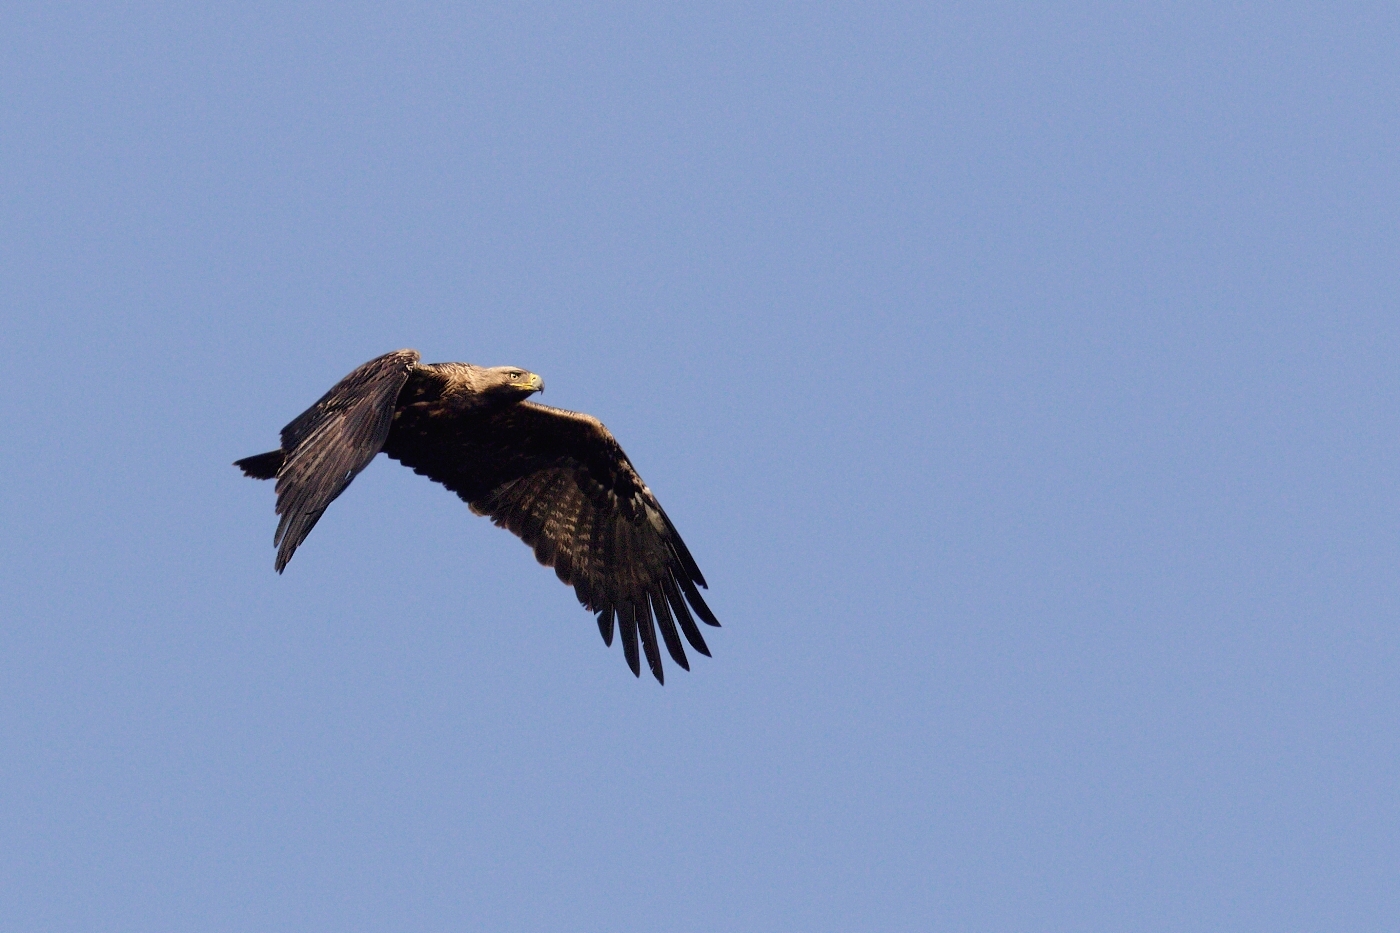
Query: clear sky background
1022, 376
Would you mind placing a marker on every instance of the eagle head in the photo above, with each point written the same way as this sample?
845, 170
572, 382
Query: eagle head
511, 382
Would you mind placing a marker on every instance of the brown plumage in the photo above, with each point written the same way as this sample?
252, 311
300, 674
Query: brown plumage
556, 478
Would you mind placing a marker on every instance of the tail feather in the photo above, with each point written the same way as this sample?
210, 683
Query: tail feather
262, 466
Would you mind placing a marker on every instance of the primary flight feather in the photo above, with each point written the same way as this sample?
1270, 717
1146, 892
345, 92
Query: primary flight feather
556, 478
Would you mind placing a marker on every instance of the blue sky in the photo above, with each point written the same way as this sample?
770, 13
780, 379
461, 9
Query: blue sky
1021, 376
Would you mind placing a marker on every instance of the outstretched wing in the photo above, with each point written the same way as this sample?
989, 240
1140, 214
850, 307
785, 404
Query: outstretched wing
559, 480
325, 446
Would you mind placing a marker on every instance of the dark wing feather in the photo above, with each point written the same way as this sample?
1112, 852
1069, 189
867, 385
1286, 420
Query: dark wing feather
559, 480
328, 444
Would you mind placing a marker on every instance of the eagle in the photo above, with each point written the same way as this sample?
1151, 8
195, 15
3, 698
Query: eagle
558, 479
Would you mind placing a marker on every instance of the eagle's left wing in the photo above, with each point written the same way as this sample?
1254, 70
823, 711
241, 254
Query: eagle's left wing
325, 446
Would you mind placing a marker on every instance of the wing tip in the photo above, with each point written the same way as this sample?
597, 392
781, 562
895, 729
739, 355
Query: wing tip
605, 625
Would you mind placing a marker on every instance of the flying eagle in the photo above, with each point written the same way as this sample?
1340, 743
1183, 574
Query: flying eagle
556, 478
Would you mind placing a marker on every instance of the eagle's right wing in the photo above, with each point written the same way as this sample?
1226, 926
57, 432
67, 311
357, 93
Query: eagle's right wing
560, 481
325, 446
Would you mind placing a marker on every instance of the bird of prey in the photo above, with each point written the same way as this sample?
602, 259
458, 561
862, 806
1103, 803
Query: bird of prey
556, 478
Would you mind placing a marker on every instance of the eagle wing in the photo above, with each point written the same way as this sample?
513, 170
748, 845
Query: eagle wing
327, 445
560, 481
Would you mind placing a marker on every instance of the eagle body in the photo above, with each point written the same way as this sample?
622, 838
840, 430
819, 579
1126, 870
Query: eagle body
557, 479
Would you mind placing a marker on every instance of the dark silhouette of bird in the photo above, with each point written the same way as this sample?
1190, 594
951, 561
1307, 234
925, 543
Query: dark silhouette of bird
555, 478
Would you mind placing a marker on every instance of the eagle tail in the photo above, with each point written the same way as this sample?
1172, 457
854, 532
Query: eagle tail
262, 466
